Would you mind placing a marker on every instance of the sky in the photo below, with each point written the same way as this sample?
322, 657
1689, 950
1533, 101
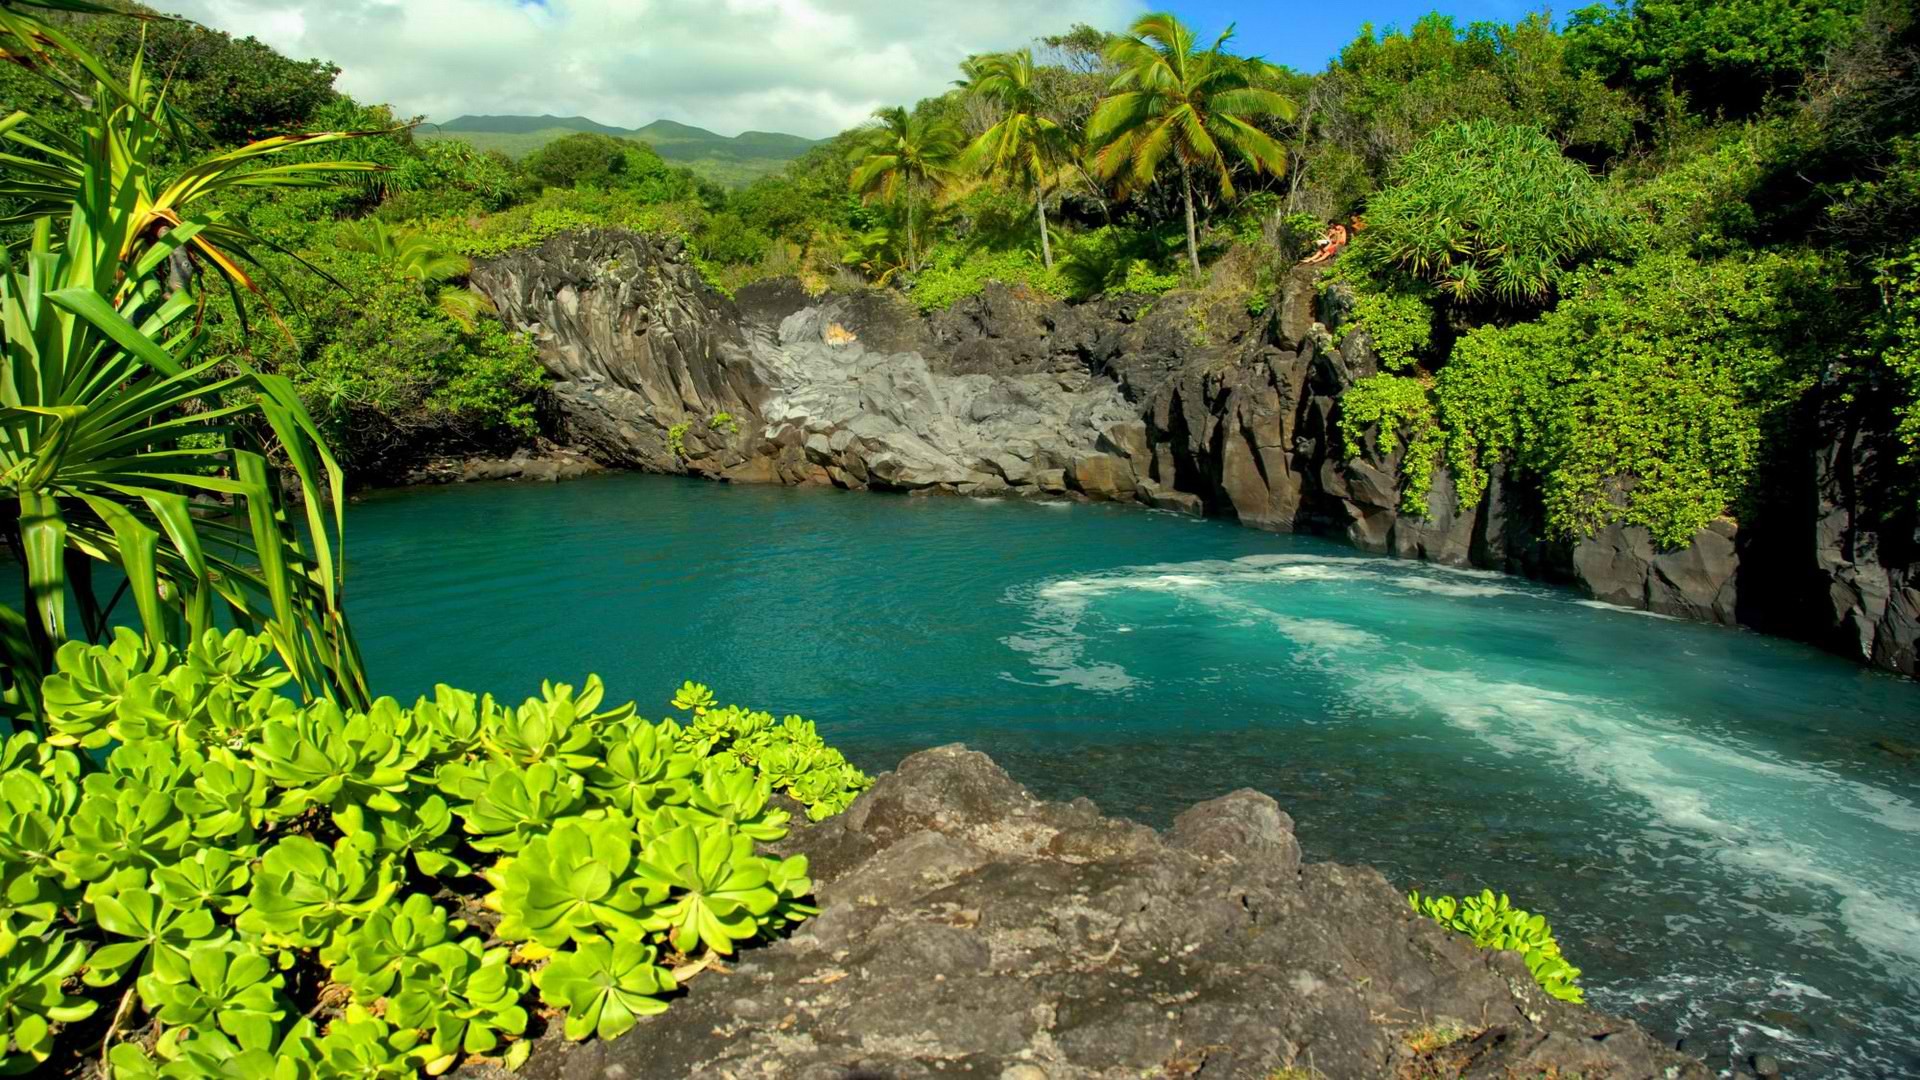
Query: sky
809, 67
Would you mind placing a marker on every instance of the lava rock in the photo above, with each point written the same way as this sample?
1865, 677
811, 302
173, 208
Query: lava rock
967, 926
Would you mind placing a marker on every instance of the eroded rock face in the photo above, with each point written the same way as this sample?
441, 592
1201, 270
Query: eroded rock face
871, 417
1862, 594
969, 928
637, 344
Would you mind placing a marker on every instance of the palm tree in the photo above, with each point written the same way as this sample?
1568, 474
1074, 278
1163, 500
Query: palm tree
907, 155
438, 269
1173, 98
1025, 147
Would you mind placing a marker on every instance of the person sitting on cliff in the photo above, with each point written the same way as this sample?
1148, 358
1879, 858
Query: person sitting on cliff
1333, 242
1329, 245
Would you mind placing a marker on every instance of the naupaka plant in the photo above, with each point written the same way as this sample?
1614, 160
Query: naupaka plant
247, 885
1494, 923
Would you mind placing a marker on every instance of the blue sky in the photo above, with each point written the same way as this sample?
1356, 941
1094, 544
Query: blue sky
1305, 35
811, 67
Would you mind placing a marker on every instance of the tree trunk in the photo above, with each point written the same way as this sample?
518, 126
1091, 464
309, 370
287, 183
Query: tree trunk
1040, 211
913, 260
1193, 239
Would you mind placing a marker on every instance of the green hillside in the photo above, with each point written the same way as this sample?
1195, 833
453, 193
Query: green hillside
733, 162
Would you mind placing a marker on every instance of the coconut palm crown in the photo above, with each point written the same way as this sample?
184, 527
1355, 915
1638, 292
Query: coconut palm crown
1025, 147
1173, 99
907, 156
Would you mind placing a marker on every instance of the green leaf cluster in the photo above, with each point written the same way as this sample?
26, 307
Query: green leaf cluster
1484, 210
954, 273
1492, 922
1731, 54
1400, 409
1645, 397
1896, 332
1397, 317
193, 851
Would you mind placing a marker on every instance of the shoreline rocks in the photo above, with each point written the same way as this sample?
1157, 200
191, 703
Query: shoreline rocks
542, 463
1186, 402
970, 928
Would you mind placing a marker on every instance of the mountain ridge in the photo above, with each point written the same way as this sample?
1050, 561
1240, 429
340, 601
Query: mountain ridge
732, 160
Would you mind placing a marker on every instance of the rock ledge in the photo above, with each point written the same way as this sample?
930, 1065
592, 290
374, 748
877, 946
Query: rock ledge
971, 929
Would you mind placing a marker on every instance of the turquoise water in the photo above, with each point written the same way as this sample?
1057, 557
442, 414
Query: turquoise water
1701, 811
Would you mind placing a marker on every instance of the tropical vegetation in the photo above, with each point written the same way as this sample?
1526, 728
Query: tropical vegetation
206, 878
1170, 99
219, 854
114, 420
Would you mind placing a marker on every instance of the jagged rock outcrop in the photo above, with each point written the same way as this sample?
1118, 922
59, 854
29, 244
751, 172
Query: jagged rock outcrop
1185, 402
1862, 590
656, 371
870, 417
969, 928
637, 345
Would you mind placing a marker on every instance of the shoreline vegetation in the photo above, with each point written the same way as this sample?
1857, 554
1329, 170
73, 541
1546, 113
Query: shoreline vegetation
1616, 256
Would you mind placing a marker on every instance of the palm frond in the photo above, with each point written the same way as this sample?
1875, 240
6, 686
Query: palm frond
112, 424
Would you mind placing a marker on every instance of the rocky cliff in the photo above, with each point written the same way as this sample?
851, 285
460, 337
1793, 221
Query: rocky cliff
1187, 402
971, 929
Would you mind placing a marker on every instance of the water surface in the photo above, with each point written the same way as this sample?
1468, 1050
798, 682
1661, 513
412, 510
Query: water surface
1702, 812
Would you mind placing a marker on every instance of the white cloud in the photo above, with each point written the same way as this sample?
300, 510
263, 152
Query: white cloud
811, 67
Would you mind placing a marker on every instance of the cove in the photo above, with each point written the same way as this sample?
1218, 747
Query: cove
1703, 813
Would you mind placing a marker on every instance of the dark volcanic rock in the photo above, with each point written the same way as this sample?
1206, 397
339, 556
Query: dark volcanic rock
637, 344
1863, 590
543, 462
970, 929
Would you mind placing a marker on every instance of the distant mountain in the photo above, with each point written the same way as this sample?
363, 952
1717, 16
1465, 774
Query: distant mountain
522, 125
731, 161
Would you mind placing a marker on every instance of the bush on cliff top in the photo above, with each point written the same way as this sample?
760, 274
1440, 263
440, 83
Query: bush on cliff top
953, 273
205, 878
1488, 211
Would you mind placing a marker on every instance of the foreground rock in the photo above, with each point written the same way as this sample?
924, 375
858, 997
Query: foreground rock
970, 929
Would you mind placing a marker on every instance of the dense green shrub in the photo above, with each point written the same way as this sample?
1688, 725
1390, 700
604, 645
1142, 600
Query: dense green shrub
1397, 318
953, 273
235, 89
590, 160
447, 177
1896, 333
257, 887
1725, 54
1390, 89
1494, 923
1485, 210
1645, 397
1119, 260
384, 366
1701, 202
